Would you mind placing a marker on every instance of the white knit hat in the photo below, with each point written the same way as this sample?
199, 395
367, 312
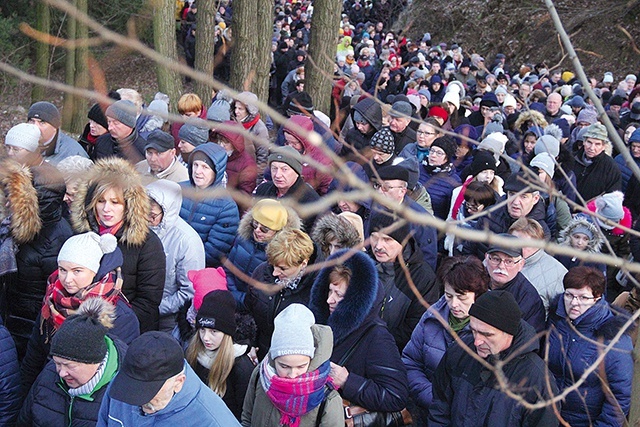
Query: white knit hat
292, 332
87, 249
23, 135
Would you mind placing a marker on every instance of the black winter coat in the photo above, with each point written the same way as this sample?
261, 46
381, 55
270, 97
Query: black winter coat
300, 191
131, 148
601, 176
10, 400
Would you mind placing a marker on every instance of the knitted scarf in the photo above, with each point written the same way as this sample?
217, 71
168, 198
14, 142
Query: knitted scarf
102, 229
58, 304
422, 153
295, 397
250, 122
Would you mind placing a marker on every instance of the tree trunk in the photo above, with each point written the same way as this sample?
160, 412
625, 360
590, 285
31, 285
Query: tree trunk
68, 104
82, 72
262, 42
205, 40
322, 51
164, 39
245, 37
43, 24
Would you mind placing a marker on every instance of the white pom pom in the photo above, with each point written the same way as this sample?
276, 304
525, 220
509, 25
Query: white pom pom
108, 243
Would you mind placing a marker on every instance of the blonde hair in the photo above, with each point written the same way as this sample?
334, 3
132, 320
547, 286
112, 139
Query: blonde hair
222, 365
189, 103
133, 96
290, 247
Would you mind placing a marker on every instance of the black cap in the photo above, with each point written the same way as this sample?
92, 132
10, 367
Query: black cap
512, 252
498, 309
159, 140
380, 220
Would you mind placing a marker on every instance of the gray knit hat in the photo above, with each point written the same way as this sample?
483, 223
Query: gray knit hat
547, 144
23, 135
545, 162
286, 155
193, 134
220, 111
47, 112
123, 111
80, 339
383, 141
292, 332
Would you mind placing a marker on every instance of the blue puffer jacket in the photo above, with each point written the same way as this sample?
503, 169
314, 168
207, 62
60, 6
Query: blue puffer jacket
571, 353
9, 378
215, 219
422, 354
439, 185
625, 170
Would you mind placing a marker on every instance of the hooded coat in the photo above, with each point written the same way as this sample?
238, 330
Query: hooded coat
215, 219
573, 347
182, 246
593, 246
143, 270
242, 170
466, 394
246, 254
258, 410
377, 378
371, 111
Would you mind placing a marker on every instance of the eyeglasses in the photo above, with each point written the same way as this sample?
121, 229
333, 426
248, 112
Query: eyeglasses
264, 229
437, 153
508, 262
582, 299
421, 132
385, 188
154, 216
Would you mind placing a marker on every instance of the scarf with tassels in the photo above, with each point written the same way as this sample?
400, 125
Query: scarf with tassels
295, 397
58, 304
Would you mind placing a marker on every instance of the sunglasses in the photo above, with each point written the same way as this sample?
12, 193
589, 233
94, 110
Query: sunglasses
264, 229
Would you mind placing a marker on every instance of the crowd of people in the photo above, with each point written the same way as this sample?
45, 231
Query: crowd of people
223, 270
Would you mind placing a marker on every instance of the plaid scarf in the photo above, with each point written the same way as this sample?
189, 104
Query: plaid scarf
58, 304
295, 397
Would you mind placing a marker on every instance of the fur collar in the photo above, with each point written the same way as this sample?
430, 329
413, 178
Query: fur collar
20, 201
245, 230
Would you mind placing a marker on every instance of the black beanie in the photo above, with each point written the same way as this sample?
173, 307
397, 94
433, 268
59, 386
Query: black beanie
498, 309
96, 114
200, 155
448, 145
380, 220
218, 311
81, 339
47, 112
482, 160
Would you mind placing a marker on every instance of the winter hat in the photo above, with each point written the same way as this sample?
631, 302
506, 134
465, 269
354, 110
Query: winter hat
123, 111
493, 127
597, 131
194, 135
547, 144
205, 281
250, 100
80, 339
631, 77
616, 100
286, 155
564, 126
438, 111
498, 309
159, 140
401, 109
610, 206
482, 161
495, 143
448, 146
24, 135
355, 220
199, 155
380, 220
582, 229
394, 172
518, 182
635, 111
292, 332
383, 141
301, 103
577, 102
47, 112
566, 109
587, 115
299, 126
452, 98
489, 99
608, 77
219, 111
635, 136
501, 89
87, 249
509, 101
270, 213
217, 311
566, 91
425, 93
97, 115
545, 162
415, 101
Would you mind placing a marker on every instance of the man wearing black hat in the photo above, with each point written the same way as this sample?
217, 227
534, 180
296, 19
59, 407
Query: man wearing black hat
465, 392
55, 144
155, 386
391, 242
161, 160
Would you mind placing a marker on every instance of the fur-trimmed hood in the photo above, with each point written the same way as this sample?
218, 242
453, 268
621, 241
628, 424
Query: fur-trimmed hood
358, 301
530, 116
117, 173
245, 230
340, 227
19, 199
594, 245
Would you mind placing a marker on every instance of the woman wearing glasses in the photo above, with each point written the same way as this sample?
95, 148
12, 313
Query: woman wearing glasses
438, 175
581, 326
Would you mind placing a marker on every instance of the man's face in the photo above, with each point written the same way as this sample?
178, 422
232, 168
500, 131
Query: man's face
385, 248
283, 176
635, 149
395, 189
159, 161
380, 157
520, 205
118, 129
160, 401
399, 124
554, 102
47, 131
615, 108
487, 339
502, 268
593, 147
75, 374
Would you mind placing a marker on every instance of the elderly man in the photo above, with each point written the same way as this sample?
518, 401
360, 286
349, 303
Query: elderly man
554, 102
403, 134
55, 144
156, 386
541, 269
161, 160
392, 241
596, 172
467, 393
123, 139
504, 266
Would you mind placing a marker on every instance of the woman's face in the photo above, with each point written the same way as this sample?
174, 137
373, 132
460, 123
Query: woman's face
211, 338
337, 290
437, 157
110, 207
529, 143
577, 301
500, 97
203, 175
262, 233
292, 365
627, 133
348, 206
579, 241
426, 134
96, 129
459, 304
486, 176
286, 272
240, 111
74, 277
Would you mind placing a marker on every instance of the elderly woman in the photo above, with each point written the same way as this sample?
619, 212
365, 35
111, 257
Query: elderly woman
581, 326
366, 365
281, 281
464, 279
257, 228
